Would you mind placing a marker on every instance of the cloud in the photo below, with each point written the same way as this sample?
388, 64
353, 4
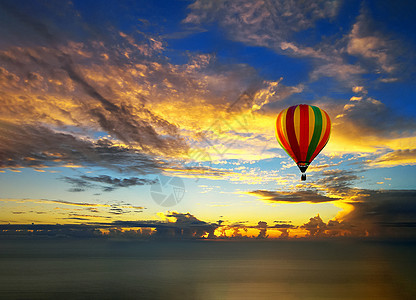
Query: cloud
375, 52
262, 226
387, 80
54, 211
261, 23
20, 16
181, 225
328, 61
292, 197
54, 201
365, 41
388, 213
51, 211
79, 99
38, 146
358, 89
303, 51
270, 24
315, 226
184, 219
339, 70
122, 121
405, 157
110, 183
185, 226
49, 82
376, 214
368, 124
111, 98
79, 185
273, 24
337, 182
68, 202
147, 107
47, 230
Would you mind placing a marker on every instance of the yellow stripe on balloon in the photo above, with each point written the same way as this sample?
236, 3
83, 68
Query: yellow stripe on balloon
279, 126
324, 125
284, 125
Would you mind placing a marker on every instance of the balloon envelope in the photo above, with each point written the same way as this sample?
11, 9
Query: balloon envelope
303, 131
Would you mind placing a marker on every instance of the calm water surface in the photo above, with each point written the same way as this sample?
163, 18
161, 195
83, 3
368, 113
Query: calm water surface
99, 269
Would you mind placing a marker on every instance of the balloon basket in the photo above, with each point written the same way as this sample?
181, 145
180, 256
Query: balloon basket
303, 177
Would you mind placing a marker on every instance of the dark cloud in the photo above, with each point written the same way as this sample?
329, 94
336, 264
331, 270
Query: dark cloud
121, 121
262, 226
116, 211
315, 226
385, 212
283, 226
133, 124
370, 117
76, 190
185, 226
292, 197
22, 15
77, 218
284, 233
338, 181
50, 75
120, 182
34, 230
376, 214
38, 146
79, 184
110, 183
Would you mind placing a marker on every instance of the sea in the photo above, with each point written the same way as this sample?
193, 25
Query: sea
206, 269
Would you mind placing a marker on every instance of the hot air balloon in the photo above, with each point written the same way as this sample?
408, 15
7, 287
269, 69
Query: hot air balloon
303, 131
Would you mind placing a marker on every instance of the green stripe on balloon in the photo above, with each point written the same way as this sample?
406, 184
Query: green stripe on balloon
316, 132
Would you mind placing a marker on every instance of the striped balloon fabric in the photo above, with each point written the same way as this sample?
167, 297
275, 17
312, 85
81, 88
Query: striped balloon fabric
303, 131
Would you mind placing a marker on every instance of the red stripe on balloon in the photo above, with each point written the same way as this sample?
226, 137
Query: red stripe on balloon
291, 134
304, 131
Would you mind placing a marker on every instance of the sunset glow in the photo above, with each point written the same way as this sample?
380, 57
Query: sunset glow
102, 104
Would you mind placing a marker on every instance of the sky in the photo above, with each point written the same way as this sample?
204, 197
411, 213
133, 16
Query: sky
159, 116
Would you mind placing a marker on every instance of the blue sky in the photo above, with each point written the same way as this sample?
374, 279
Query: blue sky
101, 98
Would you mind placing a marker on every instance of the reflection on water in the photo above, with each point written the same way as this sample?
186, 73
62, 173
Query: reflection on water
97, 269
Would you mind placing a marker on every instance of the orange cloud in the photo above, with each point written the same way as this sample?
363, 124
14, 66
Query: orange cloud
406, 157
